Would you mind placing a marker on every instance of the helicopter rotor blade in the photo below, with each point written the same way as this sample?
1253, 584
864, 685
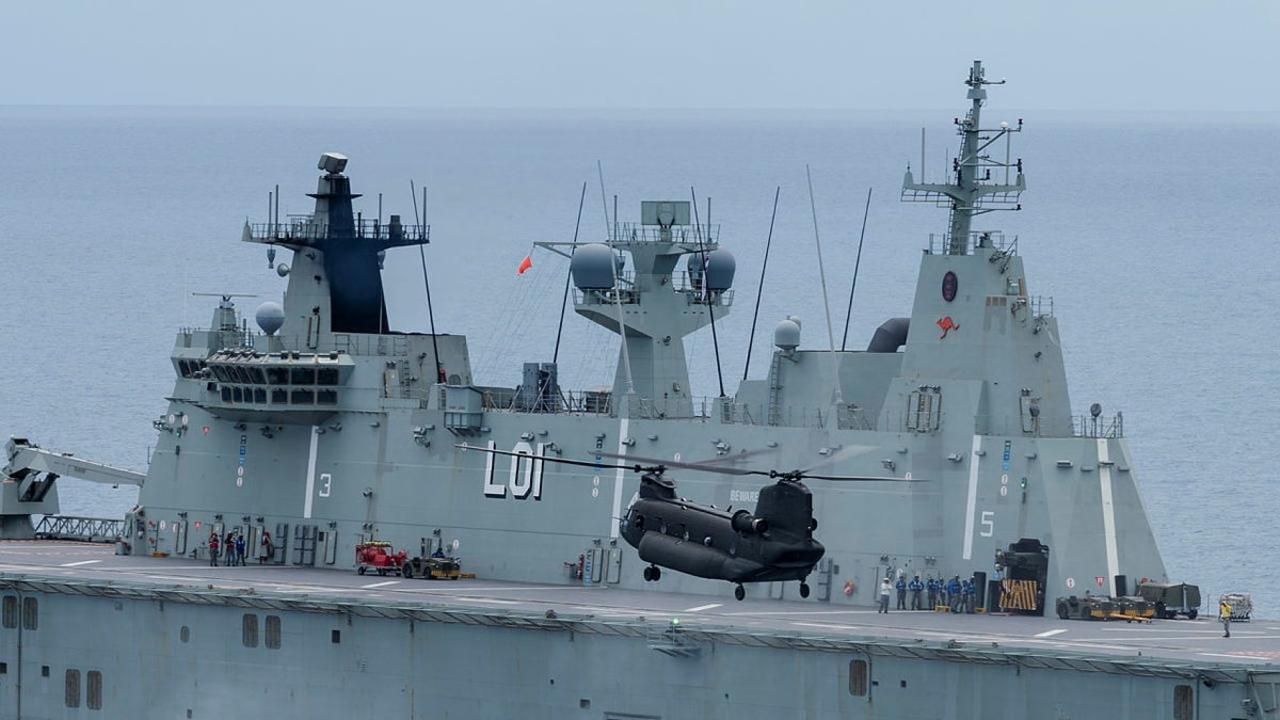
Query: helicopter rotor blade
657, 467
838, 456
699, 467
857, 478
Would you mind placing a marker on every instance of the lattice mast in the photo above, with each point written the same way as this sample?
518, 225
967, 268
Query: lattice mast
971, 191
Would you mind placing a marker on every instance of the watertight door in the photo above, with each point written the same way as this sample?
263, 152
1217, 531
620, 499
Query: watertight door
597, 564
613, 569
330, 546
822, 582
179, 537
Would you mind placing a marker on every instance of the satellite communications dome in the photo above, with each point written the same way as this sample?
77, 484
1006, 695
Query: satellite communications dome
270, 317
786, 334
720, 269
593, 267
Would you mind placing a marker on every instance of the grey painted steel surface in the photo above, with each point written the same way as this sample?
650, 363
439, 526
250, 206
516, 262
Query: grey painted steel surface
324, 438
483, 650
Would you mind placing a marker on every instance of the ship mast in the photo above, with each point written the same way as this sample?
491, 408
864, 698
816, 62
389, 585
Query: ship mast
971, 192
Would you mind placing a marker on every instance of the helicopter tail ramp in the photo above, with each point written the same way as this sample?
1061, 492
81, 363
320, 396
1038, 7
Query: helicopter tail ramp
28, 484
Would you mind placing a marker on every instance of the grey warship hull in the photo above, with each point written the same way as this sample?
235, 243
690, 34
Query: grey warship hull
145, 637
326, 430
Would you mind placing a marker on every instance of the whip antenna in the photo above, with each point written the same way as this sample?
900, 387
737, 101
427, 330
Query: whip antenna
426, 282
706, 292
760, 290
826, 305
848, 313
564, 301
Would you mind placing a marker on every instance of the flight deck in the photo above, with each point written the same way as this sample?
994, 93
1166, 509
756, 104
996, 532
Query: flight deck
1198, 643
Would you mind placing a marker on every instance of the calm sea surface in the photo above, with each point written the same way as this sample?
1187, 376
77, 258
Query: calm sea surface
1157, 239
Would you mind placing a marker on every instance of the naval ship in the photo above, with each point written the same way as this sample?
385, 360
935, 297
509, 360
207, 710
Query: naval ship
322, 429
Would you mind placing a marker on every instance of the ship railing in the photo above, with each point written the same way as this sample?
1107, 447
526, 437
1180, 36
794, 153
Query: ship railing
1089, 426
1041, 306
581, 402
625, 296
629, 232
84, 529
940, 243
303, 229
693, 289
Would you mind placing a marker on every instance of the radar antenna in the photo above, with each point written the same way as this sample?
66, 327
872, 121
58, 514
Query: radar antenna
970, 192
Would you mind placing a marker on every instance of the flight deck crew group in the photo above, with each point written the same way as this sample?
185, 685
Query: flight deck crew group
959, 596
231, 548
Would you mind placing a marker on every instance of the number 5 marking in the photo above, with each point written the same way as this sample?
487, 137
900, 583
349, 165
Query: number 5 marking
988, 523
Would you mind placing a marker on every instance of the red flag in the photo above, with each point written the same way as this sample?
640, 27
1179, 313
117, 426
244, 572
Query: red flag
525, 264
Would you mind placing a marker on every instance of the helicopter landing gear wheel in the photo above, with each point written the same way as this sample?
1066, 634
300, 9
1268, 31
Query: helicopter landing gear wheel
804, 589
739, 592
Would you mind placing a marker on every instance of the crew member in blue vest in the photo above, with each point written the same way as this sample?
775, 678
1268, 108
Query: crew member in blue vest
953, 593
901, 587
932, 586
916, 587
970, 595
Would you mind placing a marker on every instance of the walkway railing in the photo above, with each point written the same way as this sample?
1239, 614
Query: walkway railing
86, 529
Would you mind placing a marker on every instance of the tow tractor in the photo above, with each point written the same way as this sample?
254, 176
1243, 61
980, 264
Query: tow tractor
380, 557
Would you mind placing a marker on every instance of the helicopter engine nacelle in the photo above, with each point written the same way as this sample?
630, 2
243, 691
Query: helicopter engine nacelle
743, 522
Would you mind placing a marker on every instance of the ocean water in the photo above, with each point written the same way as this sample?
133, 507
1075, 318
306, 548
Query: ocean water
1156, 237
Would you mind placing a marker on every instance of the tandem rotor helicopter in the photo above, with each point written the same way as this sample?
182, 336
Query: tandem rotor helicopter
775, 543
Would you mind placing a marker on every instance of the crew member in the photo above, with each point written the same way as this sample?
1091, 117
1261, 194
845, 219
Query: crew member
884, 596
932, 586
970, 595
438, 552
953, 593
1224, 612
229, 549
240, 548
264, 552
901, 587
213, 549
916, 587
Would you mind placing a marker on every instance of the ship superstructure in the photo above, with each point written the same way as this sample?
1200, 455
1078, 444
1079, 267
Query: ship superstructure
325, 428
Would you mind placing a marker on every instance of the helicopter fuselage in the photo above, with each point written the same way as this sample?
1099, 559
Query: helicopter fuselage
704, 541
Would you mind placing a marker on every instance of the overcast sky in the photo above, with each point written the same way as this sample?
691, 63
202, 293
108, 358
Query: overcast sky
1103, 55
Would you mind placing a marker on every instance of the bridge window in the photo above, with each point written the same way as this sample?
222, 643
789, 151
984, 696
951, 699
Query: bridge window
327, 397
258, 376
302, 397
93, 697
303, 376
73, 689
30, 614
226, 394
327, 376
259, 395
279, 397
277, 376
249, 630
237, 395
858, 678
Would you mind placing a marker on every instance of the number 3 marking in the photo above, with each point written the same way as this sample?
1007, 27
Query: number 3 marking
988, 523
327, 479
